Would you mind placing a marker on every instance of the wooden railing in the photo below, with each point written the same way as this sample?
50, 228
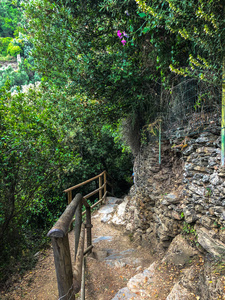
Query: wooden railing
69, 280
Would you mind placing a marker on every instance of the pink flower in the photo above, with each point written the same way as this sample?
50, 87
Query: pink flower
123, 42
119, 34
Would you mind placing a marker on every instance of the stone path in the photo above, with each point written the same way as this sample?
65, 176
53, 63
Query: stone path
119, 269
115, 258
133, 270
176, 276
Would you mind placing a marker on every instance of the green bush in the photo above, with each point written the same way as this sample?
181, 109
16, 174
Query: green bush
13, 50
4, 43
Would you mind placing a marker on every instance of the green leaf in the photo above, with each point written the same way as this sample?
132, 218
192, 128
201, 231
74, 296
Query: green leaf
142, 15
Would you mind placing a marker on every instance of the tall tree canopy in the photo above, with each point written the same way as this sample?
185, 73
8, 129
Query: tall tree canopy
10, 17
123, 52
200, 24
96, 47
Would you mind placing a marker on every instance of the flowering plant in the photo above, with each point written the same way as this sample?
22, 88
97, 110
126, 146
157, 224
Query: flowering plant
121, 36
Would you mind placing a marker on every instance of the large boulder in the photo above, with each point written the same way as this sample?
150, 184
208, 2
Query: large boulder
179, 252
209, 242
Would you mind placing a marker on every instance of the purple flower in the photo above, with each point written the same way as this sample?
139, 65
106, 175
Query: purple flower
124, 33
126, 12
123, 42
119, 34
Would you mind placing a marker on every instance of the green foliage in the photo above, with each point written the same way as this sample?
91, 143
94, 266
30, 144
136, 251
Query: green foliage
25, 73
10, 18
79, 44
4, 43
13, 50
188, 229
192, 30
190, 233
48, 142
14, 78
33, 155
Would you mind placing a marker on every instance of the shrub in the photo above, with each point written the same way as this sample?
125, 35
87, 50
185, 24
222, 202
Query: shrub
4, 43
13, 50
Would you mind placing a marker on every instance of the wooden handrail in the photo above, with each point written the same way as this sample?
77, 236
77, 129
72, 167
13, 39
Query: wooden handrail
83, 183
96, 203
84, 201
69, 282
94, 192
61, 227
110, 184
109, 176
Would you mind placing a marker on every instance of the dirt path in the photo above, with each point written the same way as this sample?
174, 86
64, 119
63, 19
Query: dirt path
118, 260
114, 261
104, 277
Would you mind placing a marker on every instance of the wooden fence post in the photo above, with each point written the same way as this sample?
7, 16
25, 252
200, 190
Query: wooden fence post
77, 227
105, 183
61, 249
100, 185
69, 201
88, 226
63, 266
78, 265
69, 197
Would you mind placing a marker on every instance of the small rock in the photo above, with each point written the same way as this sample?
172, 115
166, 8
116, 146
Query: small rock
179, 293
125, 294
179, 252
210, 243
138, 269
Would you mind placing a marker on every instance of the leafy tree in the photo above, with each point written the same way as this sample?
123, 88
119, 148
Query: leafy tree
4, 43
48, 142
13, 49
79, 43
14, 78
10, 17
33, 155
197, 24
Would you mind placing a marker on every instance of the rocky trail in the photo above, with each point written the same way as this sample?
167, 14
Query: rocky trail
120, 269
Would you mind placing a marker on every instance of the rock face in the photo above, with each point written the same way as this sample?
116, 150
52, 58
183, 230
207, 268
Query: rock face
179, 252
180, 293
183, 195
210, 243
186, 192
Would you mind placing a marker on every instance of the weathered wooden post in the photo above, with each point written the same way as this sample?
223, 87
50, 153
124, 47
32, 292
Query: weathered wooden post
69, 201
88, 225
79, 262
100, 185
77, 226
69, 197
105, 183
60, 243
83, 279
63, 266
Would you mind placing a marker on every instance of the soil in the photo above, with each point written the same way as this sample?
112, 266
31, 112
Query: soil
104, 276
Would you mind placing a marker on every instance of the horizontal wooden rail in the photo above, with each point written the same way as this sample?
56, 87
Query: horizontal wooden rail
61, 227
96, 203
69, 282
109, 176
84, 201
110, 184
83, 183
94, 192
88, 249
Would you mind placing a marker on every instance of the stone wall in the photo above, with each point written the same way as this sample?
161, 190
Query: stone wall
185, 192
